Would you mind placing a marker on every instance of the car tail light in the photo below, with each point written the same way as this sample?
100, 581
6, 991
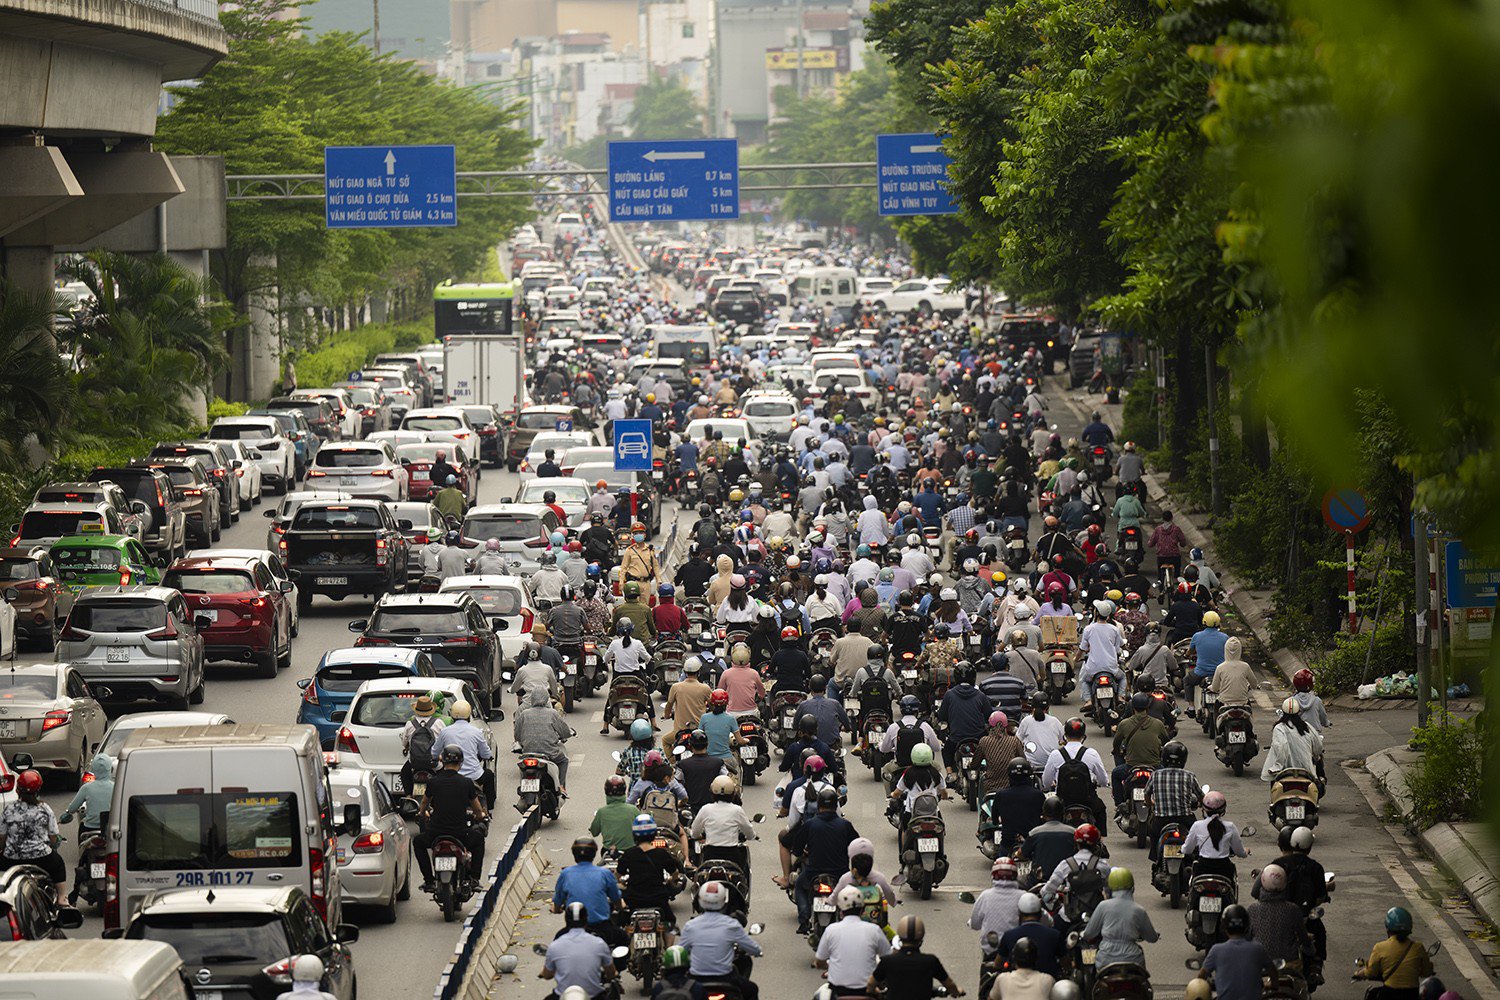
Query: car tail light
420, 538
535, 543
489, 431
346, 740
464, 640
168, 632
310, 694
315, 474
369, 843
112, 890
319, 872
526, 620
369, 640
16, 934
192, 491
279, 969
382, 556
7, 782
253, 602
55, 718
239, 473
382, 473
71, 634
124, 576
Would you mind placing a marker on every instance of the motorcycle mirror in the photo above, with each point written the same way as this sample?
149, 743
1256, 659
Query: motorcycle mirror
620, 952
1328, 878
966, 897
616, 755
1194, 964
758, 818
1434, 948
540, 949
755, 929
1248, 831
899, 879
1031, 746
1206, 789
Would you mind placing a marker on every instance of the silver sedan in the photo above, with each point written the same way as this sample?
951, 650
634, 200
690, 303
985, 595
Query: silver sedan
375, 867
48, 712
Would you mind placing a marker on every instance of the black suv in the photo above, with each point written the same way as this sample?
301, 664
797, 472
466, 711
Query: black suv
451, 627
166, 535
321, 416
740, 305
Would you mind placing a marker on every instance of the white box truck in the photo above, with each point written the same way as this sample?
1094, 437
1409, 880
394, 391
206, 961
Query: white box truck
480, 369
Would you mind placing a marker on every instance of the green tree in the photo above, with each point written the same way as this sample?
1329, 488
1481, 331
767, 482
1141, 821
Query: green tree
36, 389
665, 109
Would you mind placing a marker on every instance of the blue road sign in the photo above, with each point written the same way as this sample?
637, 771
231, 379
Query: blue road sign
632, 445
563, 424
1469, 583
1346, 510
912, 170
673, 180
389, 187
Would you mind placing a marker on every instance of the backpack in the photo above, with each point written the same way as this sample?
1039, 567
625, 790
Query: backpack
906, 740
1075, 783
810, 790
1085, 888
420, 748
661, 803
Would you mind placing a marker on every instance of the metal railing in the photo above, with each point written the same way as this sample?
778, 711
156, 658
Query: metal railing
452, 978
207, 10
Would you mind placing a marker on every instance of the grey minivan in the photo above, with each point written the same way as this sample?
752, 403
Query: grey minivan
136, 644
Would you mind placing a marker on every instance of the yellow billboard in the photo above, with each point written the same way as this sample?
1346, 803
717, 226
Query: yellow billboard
820, 58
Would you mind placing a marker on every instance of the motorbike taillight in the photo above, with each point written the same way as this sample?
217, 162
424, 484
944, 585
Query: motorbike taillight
530, 762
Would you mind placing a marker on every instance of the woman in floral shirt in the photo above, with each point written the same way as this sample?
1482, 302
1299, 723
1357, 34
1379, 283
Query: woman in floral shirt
28, 833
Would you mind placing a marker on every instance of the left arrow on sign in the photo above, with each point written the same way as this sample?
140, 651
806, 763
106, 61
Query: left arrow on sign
390, 162
653, 155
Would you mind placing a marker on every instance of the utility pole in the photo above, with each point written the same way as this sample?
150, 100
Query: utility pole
1216, 497
1424, 622
376, 38
801, 73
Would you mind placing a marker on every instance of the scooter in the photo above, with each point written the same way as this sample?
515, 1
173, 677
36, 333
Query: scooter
1170, 874
1099, 462
90, 881
452, 878
647, 934
735, 881
783, 714
1235, 743
967, 756
590, 669
1122, 981
571, 657
925, 861
1205, 708
667, 657
1016, 552
1106, 700
753, 753
1294, 798
824, 912
1133, 816
1059, 665
873, 725
1129, 545
1208, 896
628, 700
820, 646
538, 786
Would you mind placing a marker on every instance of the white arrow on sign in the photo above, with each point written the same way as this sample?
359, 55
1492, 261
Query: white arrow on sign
390, 162
653, 155
926, 149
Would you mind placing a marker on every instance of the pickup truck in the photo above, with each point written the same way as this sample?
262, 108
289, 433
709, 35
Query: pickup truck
343, 547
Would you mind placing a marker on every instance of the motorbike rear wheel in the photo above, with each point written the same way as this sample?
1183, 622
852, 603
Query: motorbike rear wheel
448, 901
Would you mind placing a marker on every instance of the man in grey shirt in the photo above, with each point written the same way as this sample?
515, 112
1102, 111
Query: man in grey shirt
579, 958
534, 674
541, 732
1129, 466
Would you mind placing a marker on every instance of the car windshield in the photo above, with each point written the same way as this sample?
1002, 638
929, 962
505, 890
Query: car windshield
180, 475
27, 687
419, 620
479, 414
505, 527
385, 709
209, 581
593, 473
535, 489
241, 432
534, 421
19, 569
55, 524
336, 518
215, 938
360, 397
72, 559
409, 453
347, 677
118, 616
769, 409
432, 424
137, 484
349, 458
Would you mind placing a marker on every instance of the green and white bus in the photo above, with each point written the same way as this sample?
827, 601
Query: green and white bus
459, 307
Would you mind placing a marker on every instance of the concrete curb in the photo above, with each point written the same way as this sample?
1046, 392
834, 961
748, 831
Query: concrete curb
495, 938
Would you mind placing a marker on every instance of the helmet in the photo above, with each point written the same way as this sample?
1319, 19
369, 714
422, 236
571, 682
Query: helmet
632, 589
1236, 919
790, 634
1215, 802
692, 665
1104, 608
850, 900
998, 718
712, 896
675, 957
737, 581
814, 764
1140, 701
910, 929
921, 755
948, 594
1291, 706
722, 785
1018, 637
575, 915
451, 754
451, 538
640, 729
765, 611
1174, 754
1121, 880
650, 397
615, 784
1198, 989
549, 497
716, 698
624, 626
1074, 729
1132, 600
1210, 619
601, 485
1003, 870
861, 845
1273, 878
307, 969
29, 782
698, 739
971, 566
740, 654
666, 590
875, 652
643, 827
1087, 835
1019, 771
1029, 904
653, 757
910, 704
1303, 839
1397, 921
828, 798
1302, 680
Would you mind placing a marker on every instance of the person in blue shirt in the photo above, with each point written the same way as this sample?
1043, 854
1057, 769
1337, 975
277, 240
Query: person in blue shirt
651, 410
585, 882
929, 504
1097, 433
713, 937
1208, 648
687, 456
576, 957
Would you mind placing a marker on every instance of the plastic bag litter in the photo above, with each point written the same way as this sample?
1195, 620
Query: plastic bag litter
1365, 692
1397, 685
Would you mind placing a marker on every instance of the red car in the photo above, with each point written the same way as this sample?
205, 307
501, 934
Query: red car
418, 459
251, 610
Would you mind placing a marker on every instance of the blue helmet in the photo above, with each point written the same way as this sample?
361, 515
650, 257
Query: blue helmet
559, 539
643, 827
593, 571
640, 729
746, 516
666, 590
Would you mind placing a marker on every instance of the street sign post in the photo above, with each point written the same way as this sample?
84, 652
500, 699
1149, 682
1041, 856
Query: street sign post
912, 171
632, 443
674, 180
1469, 582
1347, 511
389, 187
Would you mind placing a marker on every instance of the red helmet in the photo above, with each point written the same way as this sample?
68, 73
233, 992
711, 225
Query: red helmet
1302, 680
29, 781
718, 697
789, 633
1087, 835
1095, 531
1055, 588
814, 765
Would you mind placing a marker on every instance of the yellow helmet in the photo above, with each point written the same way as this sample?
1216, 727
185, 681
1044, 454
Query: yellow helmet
1210, 619
880, 421
735, 496
697, 380
1114, 595
650, 397
775, 542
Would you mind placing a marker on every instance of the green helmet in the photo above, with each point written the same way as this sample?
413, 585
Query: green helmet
1397, 921
675, 957
921, 755
1121, 880
632, 589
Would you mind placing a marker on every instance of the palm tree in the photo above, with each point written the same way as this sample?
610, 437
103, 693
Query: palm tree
36, 388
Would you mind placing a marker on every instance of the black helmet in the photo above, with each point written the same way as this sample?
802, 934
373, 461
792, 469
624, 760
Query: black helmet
575, 915
1052, 807
549, 497
452, 754
566, 593
615, 785
911, 705
807, 724
998, 660
1284, 838
1018, 771
1236, 919
1145, 683
876, 651
1023, 953
584, 849
1040, 700
596, 518
1174, 754
698, 740
1074, 729
963, 672
828, 798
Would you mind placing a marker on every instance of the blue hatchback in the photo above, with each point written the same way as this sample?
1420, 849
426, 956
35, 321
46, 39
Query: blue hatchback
327, 693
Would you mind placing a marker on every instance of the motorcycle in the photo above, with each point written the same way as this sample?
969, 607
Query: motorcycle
1294, 798
783, 714
1235, 744
1016, 551
1205, 708
647, 933
1122, 981
89, 876
1106, 699
820, 646
1059, 663
753, 753
590, 669
968, 771
992, 837
1099, 464
873, 725
453, 884
907, 673
1169, 873
571, 657
628, 700
925, 861
1208, 895
538, 786
667, 657
824, 912
1133, 816
974, 643
1129, 546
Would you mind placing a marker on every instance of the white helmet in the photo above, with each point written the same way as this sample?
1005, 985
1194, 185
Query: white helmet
913, 540
692, 665
971, 566
935, 580
849, 898
307, 969
1029, 903
1083, 478
1291, 707
713, 896
947, 594
1019, 585
1104, 608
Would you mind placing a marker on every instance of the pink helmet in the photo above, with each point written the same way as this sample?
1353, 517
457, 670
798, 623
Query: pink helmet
999, 719
1215, 802
654, 757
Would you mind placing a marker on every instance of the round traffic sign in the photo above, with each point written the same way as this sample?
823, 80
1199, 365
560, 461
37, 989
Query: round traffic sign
1346, 509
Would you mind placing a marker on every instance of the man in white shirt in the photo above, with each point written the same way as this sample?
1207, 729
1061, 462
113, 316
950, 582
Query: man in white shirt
851, 948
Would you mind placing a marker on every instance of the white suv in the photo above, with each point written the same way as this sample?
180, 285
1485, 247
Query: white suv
921, 295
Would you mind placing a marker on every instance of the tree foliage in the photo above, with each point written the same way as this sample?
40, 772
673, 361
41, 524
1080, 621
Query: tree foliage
665, 109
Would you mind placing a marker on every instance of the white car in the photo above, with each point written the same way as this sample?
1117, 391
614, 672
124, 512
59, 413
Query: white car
921, 295
734, 428
278, 455
561, 296
771, 414
774, 284
559, 442
868, 288
247, 474
442, 423
7, 630
598, 290
572, 495
350, 419
504, 601
397, 438
394, 382
370, 737
585, 455
569, 227
360, 470
375, 865
856, 382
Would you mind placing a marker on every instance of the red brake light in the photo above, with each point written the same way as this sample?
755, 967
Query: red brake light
7, 782
169, 632
319, 874
369, 843
526, 621
315, 474
55, 718
281, 968
310, 694
112, 890
420, 538
346, 740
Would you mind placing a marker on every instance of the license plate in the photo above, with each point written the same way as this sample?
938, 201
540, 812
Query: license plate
999, 836
208, 995
96, 870
347, 480
531, 784
927, 845
341, 855
749, 753
1105, 694
1210, 904
118, 655
333, 581
656, 474
908, 675
419, 475
445, 863
851, 704
592, 661
673, 677
964, 762
1059, 668
1087, 955
789, 721
208, 613
1298, 811
627, 713
1171, 850
643, 941
973, 640
1139, 794
419, 789
572, 667
823, 904
1236, 737
7, 730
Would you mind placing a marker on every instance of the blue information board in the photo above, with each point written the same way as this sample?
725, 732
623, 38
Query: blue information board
1469, 582
632, 445
912, 172
389, 187
674, 180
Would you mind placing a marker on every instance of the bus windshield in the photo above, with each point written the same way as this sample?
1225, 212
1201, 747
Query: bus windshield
473, 309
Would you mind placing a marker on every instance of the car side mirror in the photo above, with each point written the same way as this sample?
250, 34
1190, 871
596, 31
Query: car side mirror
68, 918
354, 820
139, 506
22, 762
408, 808
117, 933
346, 933
755, 929
202, 623
404, 523
966, 897
294, 574
303, 683
268, 514
285, 586
496, 715
236, 463
359, 625
10, 595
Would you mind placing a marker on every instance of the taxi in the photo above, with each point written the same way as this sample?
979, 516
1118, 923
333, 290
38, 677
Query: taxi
94, 559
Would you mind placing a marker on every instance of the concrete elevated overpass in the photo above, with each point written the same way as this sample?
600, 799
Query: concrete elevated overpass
80, 84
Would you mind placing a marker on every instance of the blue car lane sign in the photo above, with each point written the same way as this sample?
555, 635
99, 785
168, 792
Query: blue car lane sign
632, 445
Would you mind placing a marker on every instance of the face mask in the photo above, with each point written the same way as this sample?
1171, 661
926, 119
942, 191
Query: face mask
639, 538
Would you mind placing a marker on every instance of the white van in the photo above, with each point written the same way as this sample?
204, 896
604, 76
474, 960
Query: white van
827, 287
98, 970
222, 805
